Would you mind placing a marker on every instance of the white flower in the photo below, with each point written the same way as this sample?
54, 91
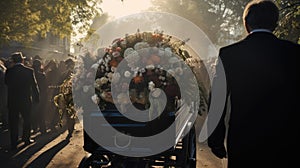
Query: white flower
128, 51
134, 69
100, 61
179, 70
95, 66
151, 66
110, 76
127, 74
95, 99
142, 70
156, 92
106, 60
144, 52
103, 95
97, 83
162, 78
141, 45
103, 80
131, 56
171, 73
151, 85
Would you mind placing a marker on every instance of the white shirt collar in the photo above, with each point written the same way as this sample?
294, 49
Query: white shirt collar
261, 30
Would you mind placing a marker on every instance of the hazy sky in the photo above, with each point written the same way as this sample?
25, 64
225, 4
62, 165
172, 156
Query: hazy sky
117, 8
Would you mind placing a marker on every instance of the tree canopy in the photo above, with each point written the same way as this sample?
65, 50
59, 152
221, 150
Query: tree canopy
222, 21
219, 19
23, 20
289, 23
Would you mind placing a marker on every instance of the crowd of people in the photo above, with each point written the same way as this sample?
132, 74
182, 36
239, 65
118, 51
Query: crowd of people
254, 85
27, 100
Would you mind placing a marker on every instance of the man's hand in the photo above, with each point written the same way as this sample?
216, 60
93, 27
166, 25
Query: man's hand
220, 152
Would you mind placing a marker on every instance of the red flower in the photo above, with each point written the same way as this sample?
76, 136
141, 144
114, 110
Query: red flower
118, 49
138, 79
113, 63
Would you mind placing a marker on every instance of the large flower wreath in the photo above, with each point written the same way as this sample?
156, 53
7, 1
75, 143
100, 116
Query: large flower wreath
152, 61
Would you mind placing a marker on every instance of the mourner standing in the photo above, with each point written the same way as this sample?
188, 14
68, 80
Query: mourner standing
22, 91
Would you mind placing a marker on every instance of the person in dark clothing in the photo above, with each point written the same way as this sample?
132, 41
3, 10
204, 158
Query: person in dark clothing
22, 91
53, 81
261, 83
3, 97
38, 112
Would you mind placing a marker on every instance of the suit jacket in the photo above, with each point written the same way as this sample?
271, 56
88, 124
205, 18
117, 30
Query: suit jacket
3, 96
22, 86
42, 83
261, 80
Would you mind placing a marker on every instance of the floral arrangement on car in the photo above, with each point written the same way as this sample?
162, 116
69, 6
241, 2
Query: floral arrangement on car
149, 60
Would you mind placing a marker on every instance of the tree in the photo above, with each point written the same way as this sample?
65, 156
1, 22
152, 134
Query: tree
194, 11
219, 19
222, 20
289, 23
23, 20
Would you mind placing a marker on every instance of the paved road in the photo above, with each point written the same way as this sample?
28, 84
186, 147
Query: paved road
53, 150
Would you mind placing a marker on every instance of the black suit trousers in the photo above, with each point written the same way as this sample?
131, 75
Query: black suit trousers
14, 114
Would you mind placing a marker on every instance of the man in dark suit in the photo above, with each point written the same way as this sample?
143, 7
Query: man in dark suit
22, 89
260, 73
3, 97
38, 110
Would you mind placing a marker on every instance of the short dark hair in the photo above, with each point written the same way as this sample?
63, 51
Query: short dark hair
261, 14
36, 64
69, 62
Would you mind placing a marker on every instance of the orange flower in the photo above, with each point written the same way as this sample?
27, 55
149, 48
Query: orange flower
113, 63
118, 49
149, 62
155, 59
138, 79
157, 36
